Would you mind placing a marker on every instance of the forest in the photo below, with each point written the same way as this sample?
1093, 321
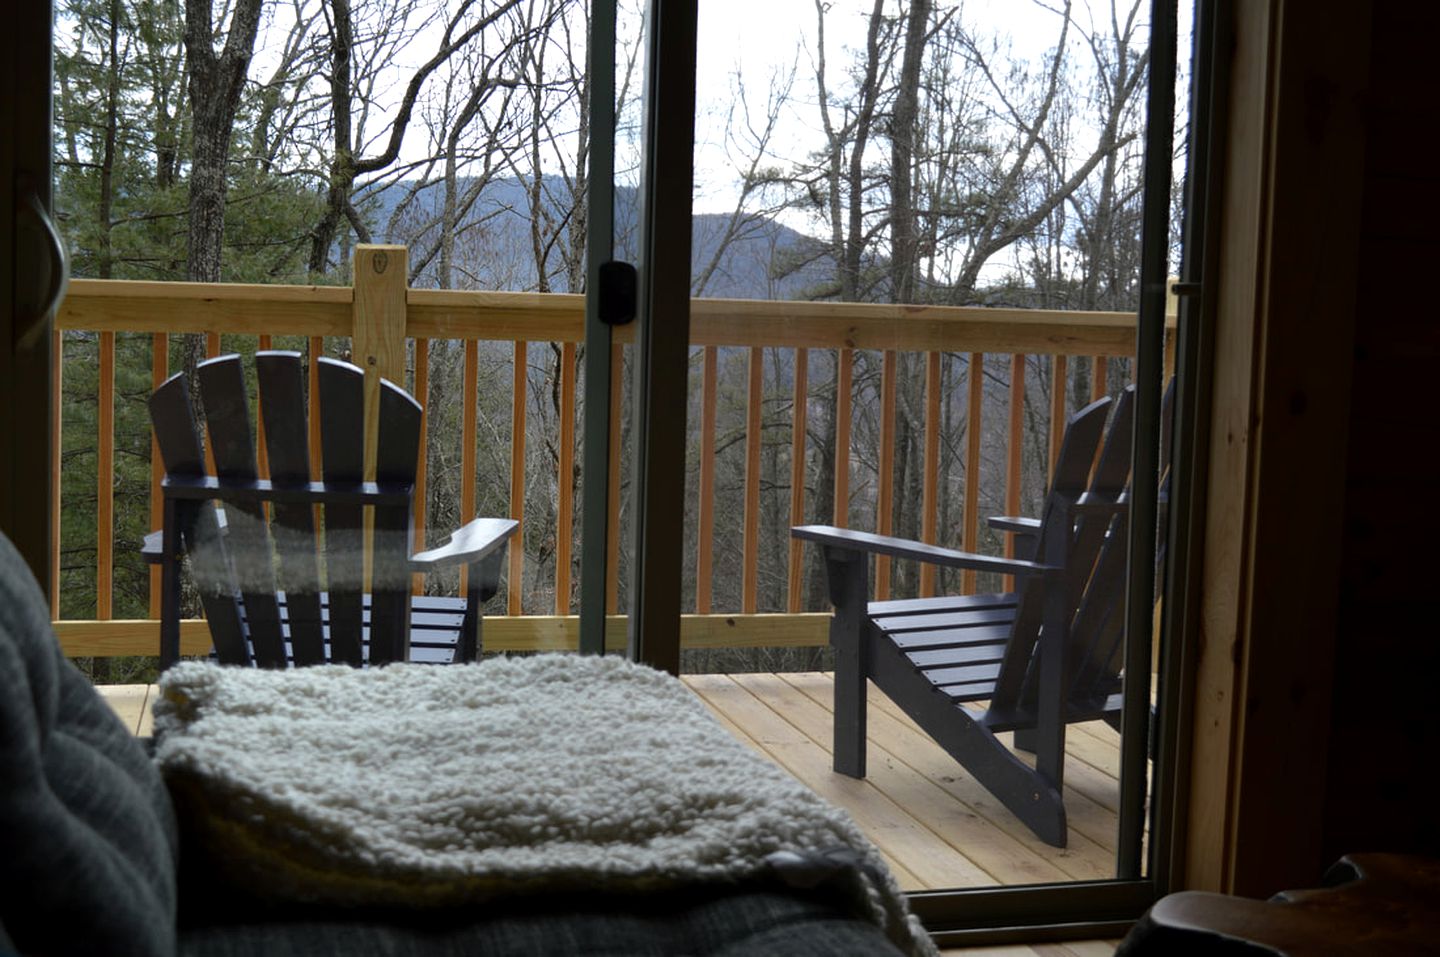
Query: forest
905, 151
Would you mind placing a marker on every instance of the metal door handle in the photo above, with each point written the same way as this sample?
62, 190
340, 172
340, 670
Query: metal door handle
31, 327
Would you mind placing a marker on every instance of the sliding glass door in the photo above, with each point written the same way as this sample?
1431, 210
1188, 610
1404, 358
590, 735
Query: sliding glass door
899, 261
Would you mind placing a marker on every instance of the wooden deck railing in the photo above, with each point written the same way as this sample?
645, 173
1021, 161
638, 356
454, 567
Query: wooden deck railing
380, 314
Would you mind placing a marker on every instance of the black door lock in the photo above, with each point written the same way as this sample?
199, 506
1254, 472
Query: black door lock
618, 285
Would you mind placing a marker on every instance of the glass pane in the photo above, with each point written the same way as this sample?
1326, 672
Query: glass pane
916, 259
630, 38
455, 131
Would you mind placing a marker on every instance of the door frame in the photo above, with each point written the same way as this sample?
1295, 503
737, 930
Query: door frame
26, 336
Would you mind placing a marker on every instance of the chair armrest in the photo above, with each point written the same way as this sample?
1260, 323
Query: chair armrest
1020, 525
154, 543
845, 539
471, 543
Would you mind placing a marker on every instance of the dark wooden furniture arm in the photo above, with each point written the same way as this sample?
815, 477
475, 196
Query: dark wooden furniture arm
470, 543
849, 540
150, 549
153, 544
1020, 525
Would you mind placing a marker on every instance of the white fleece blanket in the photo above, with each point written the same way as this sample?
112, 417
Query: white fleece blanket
436, 786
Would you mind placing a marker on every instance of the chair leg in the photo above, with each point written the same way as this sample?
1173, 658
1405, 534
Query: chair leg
850, 685
849, 587
1025, 740
484, 582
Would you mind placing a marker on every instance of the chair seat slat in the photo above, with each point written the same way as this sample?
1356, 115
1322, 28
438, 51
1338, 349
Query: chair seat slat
904, 606
975, 635
900, 624
962, 655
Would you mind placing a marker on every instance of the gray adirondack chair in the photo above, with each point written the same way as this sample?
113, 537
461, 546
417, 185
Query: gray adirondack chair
1044, 656
280, 566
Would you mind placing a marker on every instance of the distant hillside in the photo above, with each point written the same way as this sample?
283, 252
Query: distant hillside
766, 260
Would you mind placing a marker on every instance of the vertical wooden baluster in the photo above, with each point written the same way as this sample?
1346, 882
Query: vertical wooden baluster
1059, 381
312, 388
105, 482
1172, 314
56, 407
159, 372
515, 579
750, 561
845, 368
212, 349
612, 522
469, 391
314, 350
262, 454
930, 492
798, 414
885, 496
1099, 386
973, 431
1014, 452
422, 509
564, 513
705, 536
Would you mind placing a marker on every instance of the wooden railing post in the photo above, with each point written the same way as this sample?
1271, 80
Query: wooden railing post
378, 331
377, 343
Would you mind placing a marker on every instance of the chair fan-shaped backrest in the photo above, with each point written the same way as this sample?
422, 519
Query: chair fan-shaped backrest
269, 579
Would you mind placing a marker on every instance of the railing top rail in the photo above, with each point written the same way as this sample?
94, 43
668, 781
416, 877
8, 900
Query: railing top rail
248, 309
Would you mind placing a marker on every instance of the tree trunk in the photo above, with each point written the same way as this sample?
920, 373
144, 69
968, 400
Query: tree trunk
215, 85
106, 264
342, 165
903, 260
216, 82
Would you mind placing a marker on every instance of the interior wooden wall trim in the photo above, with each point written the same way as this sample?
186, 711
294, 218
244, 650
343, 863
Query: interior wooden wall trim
1283, 354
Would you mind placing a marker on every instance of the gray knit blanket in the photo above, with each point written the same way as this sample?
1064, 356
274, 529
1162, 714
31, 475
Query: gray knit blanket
437, 786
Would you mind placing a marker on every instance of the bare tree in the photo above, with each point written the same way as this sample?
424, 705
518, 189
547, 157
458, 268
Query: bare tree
460, 29
216, 82
748, 146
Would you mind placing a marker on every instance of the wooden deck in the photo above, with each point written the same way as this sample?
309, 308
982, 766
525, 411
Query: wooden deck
936, 826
